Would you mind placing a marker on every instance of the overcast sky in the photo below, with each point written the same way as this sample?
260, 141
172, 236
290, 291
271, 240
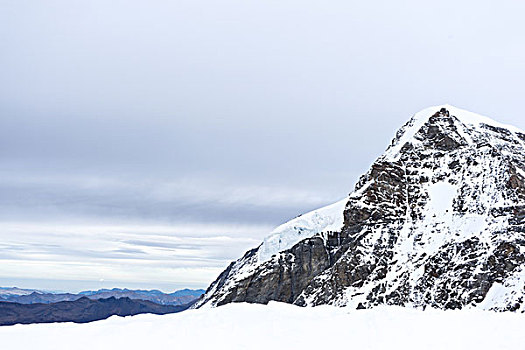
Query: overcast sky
148, 143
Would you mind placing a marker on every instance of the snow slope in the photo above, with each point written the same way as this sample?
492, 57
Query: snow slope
329, 218
278, 326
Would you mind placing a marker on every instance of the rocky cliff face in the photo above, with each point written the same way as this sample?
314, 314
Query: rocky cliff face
438, 220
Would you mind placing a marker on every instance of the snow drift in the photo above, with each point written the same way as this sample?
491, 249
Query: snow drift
279, 326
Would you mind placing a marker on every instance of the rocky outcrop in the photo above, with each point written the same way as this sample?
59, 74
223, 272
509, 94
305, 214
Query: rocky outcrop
438, 221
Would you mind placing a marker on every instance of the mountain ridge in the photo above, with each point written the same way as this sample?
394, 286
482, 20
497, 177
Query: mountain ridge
31, 296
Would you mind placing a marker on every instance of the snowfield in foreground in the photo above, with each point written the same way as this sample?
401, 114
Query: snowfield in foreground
277, 326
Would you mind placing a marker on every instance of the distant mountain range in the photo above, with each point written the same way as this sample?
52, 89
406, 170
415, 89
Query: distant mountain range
32, 296
80, 311
14, 291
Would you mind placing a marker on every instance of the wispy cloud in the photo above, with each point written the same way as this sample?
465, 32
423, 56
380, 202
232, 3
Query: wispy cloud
123, 255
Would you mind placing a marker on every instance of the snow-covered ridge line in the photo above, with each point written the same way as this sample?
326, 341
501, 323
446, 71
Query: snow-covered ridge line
471, 118
328, 218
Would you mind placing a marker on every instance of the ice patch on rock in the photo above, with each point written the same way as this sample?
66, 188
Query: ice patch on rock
441, 198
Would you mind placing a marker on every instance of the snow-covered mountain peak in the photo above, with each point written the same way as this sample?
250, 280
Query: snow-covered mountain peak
438, 220
454, 122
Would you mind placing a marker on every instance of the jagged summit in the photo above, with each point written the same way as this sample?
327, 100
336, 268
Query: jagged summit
466, 117
462, 120
438, 220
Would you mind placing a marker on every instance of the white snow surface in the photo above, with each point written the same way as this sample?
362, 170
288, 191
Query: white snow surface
280, 326
441, 197
285, 236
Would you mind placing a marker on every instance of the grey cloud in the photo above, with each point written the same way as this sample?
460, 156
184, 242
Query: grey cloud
106, 199
165, 245
128, 251
228, 117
